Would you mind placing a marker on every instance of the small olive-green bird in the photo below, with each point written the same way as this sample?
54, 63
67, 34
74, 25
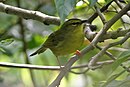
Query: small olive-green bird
66, 40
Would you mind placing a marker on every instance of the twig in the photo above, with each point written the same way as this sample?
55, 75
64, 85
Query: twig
29, 66
100, 15
89, 34
39, 67
98, 63
107, 53
29, 14
114, 34
105, 7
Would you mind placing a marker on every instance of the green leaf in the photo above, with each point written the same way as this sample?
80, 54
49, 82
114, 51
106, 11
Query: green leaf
64, 7
92, 2
122, 57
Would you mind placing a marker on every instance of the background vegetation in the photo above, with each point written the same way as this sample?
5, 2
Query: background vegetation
22, 34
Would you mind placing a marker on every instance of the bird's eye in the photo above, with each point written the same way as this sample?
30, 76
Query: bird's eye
74, 24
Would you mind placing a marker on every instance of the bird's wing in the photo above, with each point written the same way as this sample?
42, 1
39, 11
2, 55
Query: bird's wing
54, 39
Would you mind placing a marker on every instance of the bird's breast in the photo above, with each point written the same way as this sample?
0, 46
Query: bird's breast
72, 42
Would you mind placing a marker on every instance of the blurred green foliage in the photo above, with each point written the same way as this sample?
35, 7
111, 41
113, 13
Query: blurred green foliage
64, 7
11, 46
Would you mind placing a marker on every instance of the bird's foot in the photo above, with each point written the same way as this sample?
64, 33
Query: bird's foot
78, 52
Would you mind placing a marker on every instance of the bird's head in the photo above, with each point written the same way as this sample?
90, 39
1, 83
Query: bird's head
73, 23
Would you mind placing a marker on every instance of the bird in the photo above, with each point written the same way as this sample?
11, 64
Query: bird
66, 40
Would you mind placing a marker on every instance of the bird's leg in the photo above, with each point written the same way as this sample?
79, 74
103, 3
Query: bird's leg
78, 52
58, 62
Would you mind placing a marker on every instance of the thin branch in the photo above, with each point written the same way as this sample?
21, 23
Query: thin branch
102, 17
105, 7
114, 34
109, 35
107, 53
98, 63
39, 67
29, 14
29, 66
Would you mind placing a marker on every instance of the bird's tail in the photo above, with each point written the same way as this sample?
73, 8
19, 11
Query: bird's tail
40, 50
